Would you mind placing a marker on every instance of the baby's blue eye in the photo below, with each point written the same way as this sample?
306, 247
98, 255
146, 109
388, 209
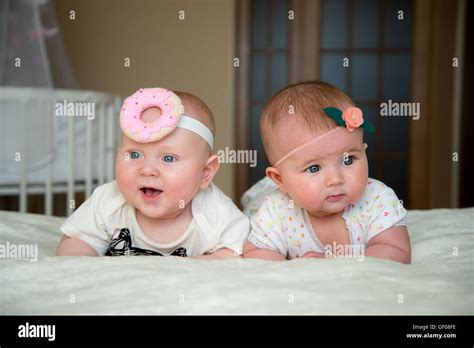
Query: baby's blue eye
169, 158
313, 169
348, 160
135, 155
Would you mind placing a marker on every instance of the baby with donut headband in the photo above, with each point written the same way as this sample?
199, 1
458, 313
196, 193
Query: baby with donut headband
163, 201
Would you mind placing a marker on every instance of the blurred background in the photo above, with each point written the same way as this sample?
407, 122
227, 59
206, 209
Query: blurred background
234, 55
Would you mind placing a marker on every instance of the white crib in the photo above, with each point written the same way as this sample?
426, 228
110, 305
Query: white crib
43, 152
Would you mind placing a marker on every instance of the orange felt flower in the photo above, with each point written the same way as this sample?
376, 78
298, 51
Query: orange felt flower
353, 118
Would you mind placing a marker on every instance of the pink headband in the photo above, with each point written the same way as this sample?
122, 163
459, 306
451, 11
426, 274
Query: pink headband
350, 120
322, 136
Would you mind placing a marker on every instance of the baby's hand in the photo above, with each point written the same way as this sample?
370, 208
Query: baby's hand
313, 255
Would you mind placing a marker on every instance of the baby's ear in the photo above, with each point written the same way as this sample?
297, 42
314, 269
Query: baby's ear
210, 169
274, 174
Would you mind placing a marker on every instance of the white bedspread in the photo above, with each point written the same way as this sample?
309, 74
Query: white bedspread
439, 280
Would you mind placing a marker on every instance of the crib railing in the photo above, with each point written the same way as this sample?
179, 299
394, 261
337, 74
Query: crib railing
99, 150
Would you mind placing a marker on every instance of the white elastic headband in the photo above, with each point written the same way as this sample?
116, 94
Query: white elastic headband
197, 127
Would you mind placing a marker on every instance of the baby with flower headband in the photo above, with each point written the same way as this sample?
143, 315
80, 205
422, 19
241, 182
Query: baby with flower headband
324, 204
163, 201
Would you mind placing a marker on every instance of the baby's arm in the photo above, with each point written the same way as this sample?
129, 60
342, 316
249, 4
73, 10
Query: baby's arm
84, 231
313, 255
74, 247
392, 244
253, 252
220, 254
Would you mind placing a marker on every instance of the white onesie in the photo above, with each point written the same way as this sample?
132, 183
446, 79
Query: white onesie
282, 226
108, 223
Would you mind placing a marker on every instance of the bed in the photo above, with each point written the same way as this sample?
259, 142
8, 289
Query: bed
439, 280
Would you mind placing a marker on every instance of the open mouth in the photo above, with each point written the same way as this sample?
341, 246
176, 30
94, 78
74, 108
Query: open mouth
150, 192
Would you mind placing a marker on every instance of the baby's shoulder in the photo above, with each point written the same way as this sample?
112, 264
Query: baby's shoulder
109, 190
278, 200
107, 198
213, 204
210, 198
375, 196
279, 208
215, 212
373, 189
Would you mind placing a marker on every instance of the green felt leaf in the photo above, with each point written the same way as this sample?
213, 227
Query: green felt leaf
368, 126
335, 114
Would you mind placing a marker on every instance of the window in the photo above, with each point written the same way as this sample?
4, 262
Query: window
269, 68
373, 37
366, 51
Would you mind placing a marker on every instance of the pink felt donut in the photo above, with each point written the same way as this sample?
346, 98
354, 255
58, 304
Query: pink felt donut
140, 131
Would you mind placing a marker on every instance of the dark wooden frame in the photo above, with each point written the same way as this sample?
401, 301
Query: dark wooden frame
466, 184
431, 179
243, 24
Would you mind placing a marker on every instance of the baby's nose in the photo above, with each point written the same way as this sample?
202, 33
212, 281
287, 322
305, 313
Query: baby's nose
149, 170
334, 177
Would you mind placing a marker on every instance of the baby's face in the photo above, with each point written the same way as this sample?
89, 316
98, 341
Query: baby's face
326, 176
160, 178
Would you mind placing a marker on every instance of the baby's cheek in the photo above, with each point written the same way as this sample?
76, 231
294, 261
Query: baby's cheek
306, 195
180, 187
124, 176
120, 168
359, 183
307, 200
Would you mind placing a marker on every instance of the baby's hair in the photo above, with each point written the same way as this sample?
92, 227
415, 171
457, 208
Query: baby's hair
304, 103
